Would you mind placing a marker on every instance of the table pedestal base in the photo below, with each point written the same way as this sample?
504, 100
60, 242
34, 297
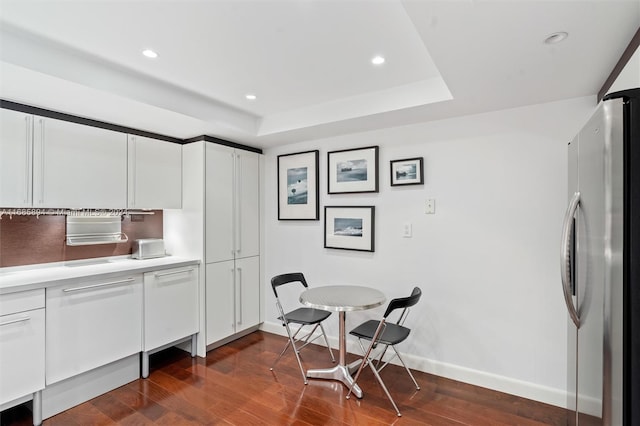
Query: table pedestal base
340, 373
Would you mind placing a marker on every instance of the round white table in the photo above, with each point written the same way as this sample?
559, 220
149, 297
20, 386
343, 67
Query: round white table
341, 298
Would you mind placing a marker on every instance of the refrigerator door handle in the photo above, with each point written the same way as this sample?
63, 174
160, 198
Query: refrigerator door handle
565, 257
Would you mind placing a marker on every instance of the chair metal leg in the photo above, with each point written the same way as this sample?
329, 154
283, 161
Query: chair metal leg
406, 368
366, 359
281, 353
373, 364
324, 334
304, 375
292, 343
291, 339
384, 388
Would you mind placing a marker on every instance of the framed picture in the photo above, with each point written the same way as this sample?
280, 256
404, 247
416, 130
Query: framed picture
298, 195
349, 227
353, 170
407, 172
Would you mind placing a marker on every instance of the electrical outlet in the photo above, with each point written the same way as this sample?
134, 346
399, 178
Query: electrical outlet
406, 230
430, 206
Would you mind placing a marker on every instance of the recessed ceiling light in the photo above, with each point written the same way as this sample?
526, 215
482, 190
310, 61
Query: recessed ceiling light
149, 53
556, 37
251, 97
377, 60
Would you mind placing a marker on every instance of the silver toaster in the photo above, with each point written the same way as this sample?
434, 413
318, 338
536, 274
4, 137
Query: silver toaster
148, 248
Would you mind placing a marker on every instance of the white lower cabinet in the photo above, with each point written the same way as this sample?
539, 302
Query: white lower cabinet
232, 297
22, 335
247, 288
219, 300
92, 323
170, 306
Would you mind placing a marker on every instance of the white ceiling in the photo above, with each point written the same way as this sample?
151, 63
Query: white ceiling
307, 61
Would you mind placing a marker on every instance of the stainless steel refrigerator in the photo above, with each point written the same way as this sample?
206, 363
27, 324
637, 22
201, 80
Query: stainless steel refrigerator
600, 264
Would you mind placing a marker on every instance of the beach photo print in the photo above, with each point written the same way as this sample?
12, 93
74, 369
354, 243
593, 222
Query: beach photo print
349, 227
409, 171
353, 170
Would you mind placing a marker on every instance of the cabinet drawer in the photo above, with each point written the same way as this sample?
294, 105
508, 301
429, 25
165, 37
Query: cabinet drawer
170, 305
91, 324
21, 354
21, 301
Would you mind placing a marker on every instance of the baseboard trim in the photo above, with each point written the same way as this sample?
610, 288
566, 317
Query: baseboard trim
62, 395
523, 389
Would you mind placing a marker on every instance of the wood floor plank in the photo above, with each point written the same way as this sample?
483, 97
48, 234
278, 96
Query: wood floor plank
135, 419
139, 402
112, 407
233, 385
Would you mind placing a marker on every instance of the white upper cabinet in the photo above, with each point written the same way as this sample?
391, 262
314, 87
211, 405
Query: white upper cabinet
155, 174
50, 163
15, 158
232, 203
78, 166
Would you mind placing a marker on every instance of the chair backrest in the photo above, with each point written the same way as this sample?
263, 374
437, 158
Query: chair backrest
282, 279
403, 302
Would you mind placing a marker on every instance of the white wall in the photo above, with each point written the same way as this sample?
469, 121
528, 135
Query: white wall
492, 312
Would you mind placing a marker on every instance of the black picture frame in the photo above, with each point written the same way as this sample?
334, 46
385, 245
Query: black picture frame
298, 186
408, 171
352, 170
350, 228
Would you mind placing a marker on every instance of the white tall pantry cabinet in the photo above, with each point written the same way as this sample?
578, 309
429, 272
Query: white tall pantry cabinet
220, 223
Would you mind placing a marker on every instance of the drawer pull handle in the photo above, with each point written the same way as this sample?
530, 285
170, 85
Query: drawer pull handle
17, 320
165, 274
87, 287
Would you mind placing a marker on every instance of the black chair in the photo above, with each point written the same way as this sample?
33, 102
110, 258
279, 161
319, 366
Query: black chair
301, 316
388, 334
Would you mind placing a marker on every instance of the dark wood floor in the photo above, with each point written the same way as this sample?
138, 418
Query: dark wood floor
234, 386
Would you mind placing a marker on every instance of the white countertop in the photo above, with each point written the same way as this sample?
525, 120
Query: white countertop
31, 277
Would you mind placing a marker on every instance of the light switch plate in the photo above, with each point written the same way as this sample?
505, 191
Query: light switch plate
406, 230
430, 206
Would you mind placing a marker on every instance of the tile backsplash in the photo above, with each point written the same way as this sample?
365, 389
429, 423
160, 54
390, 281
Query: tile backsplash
27, 240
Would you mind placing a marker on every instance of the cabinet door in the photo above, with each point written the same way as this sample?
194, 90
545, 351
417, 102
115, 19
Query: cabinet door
219, 203
15, 158
220, 300
247, 289
91, 324
170, 306
155, 174
21, 354
247, 204
78, 166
